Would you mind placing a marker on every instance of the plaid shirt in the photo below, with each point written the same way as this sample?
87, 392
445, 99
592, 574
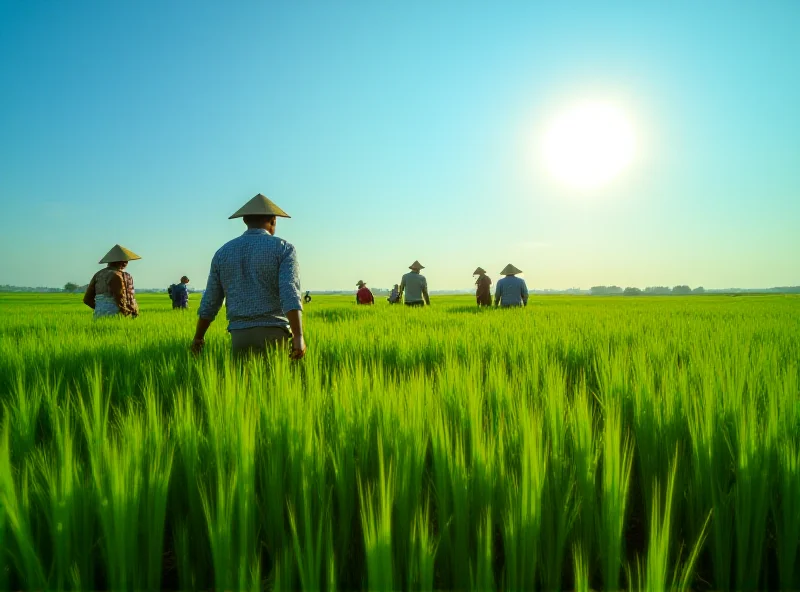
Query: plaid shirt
116, 285
511, 291
258, 276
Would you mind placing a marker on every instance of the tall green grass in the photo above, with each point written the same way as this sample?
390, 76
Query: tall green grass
580, 443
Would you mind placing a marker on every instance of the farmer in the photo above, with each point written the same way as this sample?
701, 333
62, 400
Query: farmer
483, 293
307, 297
364, 294
394, 296
511, 290
179, 293
110, 291
258, 276
415, 286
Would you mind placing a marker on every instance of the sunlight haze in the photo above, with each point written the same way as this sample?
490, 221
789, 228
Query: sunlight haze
624, 143
589, 144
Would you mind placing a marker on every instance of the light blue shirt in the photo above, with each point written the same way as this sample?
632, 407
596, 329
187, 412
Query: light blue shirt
413, 284
258, 277
511, 291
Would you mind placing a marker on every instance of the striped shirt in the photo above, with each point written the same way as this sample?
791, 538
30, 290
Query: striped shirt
511, 291
258, 277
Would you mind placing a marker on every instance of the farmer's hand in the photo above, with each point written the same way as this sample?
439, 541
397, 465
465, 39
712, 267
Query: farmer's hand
197, 345
298, 347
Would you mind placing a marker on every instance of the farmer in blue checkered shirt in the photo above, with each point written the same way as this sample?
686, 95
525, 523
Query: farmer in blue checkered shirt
257, 275
511, 290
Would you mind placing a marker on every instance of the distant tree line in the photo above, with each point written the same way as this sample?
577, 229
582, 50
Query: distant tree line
681, 290
605, 290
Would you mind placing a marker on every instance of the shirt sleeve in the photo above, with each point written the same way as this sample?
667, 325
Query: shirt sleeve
90, 295
524, 292
289, 281
214, 295
183, 295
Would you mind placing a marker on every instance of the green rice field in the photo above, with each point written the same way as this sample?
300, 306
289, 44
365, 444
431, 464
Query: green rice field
579, 443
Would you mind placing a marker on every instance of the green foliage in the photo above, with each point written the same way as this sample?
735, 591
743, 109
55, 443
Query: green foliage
553, 447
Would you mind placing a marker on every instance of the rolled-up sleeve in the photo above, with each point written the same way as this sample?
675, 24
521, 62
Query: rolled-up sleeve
289, 281
214, 295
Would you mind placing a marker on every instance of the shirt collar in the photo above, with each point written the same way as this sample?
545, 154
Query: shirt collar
255, 231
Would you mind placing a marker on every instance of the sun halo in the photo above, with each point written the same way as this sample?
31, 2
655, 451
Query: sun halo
588, 145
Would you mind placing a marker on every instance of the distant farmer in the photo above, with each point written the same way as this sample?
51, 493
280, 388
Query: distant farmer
364, 294
179, 293
415, 286
483, 293
511, 290
307, 297
110, 291
258, 277
394, 296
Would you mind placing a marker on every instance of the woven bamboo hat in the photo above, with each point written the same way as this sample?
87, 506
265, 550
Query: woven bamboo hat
416, 266
119, 253
360, 283
510, 270
260, 205
479, 271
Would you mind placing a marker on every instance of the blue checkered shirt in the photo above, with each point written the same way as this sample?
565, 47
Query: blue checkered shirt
511, 291
258, 276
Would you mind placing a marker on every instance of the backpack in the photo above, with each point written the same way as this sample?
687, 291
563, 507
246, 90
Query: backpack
169, 290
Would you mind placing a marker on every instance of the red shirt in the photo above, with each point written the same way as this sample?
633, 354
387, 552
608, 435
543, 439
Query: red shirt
364, 296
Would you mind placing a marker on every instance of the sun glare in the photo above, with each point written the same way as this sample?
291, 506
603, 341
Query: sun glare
589, 145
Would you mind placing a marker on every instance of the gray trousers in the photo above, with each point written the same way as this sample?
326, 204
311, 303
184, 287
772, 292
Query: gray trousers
258, 340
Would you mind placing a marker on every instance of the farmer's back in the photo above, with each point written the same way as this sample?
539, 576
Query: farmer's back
259, 275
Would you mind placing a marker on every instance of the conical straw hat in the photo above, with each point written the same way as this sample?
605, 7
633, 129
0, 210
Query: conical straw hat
416, 265
119, 253
360, 283
260, 205
510, 270
479, 271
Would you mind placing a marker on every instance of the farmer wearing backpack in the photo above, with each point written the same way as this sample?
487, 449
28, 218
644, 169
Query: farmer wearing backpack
179, 293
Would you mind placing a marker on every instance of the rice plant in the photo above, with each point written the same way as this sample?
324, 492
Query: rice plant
554, 447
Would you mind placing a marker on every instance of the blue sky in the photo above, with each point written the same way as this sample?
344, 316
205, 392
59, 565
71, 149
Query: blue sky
399, 131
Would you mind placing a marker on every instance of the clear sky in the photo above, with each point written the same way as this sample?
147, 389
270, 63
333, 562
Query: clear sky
395, 131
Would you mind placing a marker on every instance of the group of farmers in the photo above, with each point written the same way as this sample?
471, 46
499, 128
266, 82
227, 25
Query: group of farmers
257, 275
510, 290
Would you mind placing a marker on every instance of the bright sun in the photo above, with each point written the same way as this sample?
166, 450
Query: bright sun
589, 144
